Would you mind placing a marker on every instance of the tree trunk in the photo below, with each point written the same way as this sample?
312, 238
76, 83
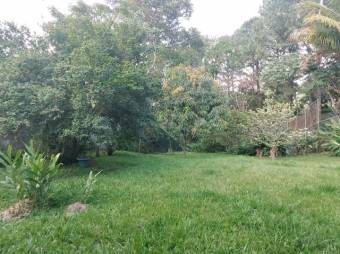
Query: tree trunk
109, 150
139, 145
170, 150
335, 104
256, 70
97, 151
184, 145
259, 152
273, 153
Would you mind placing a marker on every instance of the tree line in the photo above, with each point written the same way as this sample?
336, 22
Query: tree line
127, 75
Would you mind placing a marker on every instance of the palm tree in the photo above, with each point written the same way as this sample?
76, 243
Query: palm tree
321, 27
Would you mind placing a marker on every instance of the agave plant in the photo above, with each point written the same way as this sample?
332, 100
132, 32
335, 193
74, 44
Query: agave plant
321, 27
29, 173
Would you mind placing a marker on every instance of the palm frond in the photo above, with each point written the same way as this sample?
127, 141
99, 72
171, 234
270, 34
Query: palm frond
321, 27
321, 19
326, 39
313, 6
301, 34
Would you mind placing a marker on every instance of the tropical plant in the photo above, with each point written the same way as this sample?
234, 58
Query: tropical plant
321, 27
29, 173
11, 168
331, 137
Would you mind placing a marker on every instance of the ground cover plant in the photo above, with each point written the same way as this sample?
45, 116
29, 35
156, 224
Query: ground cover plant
194, 203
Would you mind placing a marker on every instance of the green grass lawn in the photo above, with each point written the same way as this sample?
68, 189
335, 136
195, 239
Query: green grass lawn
199, 203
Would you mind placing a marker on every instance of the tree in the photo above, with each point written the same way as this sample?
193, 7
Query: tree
30, 104
281, 75
103, 71
162, 18
188, 100
280, 19
323, 77
224, 63
261, 42
252, 40
251, 49
321, 27
14, 39
269, 126
90, 87
167, 42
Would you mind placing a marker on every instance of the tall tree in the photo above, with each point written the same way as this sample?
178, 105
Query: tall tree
169, 43
224, 63
321, 27
162, 18
252, 43
14, 39
90, 87
281, 75
281, 19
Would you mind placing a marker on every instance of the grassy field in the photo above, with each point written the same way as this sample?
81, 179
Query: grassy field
199, 203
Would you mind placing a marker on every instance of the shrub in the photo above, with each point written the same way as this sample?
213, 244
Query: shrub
331, 137
29, 173
305, 142
269, 126
223, 132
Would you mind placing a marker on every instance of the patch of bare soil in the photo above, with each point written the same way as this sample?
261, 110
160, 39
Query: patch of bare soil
17, 211
75, 208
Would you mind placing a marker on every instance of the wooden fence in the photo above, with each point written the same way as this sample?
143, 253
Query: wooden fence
311, 117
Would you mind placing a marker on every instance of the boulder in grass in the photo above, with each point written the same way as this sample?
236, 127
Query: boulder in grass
75, 208
17, 211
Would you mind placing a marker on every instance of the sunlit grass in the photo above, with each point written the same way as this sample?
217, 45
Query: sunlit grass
199, 203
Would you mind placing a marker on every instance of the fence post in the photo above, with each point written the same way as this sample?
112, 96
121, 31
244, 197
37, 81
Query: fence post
305, 131
296, 122
318, 112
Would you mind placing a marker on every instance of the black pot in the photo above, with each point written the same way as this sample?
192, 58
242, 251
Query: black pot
84, 162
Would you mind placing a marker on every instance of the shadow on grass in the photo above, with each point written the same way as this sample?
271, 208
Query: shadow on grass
65, 194
106, 164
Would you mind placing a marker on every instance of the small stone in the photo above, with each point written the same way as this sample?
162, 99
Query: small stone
75, 208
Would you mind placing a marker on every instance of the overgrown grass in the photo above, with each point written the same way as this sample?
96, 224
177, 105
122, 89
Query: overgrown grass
199, 203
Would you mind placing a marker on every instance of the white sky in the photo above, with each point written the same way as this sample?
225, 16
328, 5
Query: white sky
211, 17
